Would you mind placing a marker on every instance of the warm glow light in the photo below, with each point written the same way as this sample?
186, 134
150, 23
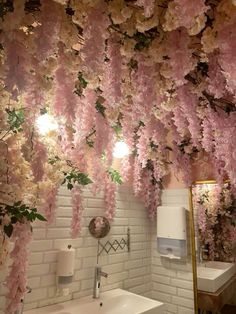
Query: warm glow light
121, 150
46, 124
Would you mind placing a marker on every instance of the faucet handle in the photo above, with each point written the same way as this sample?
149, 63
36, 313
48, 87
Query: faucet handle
103, 274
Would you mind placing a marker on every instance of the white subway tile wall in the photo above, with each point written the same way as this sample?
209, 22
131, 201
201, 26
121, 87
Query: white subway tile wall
172, 280
130, 271
141, 271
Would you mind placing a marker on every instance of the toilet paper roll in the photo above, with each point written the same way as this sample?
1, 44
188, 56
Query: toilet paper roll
66, 262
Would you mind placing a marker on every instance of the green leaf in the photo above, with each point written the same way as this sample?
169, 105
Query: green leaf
89, 141
69, 186
43, 111
83, 179
15, 119
40, 217
133, 64
82, 81
115, 176
54, 160
117, 128
100, 108
18, 212
142, 41
17, 203
76, 177
8, 229
81, 85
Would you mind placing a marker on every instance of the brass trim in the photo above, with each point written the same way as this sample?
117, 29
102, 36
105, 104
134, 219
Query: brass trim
193, 247
208, 182
192, 235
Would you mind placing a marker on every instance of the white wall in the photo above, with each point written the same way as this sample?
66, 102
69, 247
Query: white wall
130, 271
141, 271
172, 279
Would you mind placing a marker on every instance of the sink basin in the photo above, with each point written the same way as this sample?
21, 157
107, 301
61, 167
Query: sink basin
213, 275
115, 301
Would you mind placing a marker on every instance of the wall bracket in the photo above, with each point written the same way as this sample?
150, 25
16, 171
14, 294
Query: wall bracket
115, 245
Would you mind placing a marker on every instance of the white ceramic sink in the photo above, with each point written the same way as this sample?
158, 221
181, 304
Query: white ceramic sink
115, 301
213, 275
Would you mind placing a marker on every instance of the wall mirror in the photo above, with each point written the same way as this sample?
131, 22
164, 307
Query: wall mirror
99, 227
213, 209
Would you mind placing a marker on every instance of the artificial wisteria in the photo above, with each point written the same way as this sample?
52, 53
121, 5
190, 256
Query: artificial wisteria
77, 207
158, 75
16, 281
216, 214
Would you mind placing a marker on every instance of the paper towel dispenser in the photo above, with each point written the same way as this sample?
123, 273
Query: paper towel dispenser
171, 231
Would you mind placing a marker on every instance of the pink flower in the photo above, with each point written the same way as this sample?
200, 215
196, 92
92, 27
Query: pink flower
49, 19
113, 70
65, 98
39, 157
48, 206
185, 13
216, 79
179, 54
77, 208
226, 41
188, 103
94, 33
110, 199
148, 6
16, 281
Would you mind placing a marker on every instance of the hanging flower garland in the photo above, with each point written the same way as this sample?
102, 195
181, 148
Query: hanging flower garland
158, 75
216, 214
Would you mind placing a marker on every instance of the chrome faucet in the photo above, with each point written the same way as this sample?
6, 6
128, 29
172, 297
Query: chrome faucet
97, 281
20, 311
202, 250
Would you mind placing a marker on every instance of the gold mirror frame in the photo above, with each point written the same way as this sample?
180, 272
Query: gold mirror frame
192, 235
193, 248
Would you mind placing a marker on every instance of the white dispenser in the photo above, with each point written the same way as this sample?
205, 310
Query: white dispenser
65, 269
171, 231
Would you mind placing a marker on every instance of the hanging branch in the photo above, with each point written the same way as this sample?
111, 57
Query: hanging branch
220, 103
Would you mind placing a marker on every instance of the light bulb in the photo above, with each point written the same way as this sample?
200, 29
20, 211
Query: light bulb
46, 124
121, 150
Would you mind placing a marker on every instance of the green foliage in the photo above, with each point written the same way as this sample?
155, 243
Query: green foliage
8, 229
15, 119
5, 7
82, 81
203, 67
142, 41
82, 84
18, 212
72, 177
89, 141
133, 64
117, 128
100, 108
115, 176
53, 160
43, 111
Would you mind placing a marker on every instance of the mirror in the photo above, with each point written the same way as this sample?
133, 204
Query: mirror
213, 208
99, 227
